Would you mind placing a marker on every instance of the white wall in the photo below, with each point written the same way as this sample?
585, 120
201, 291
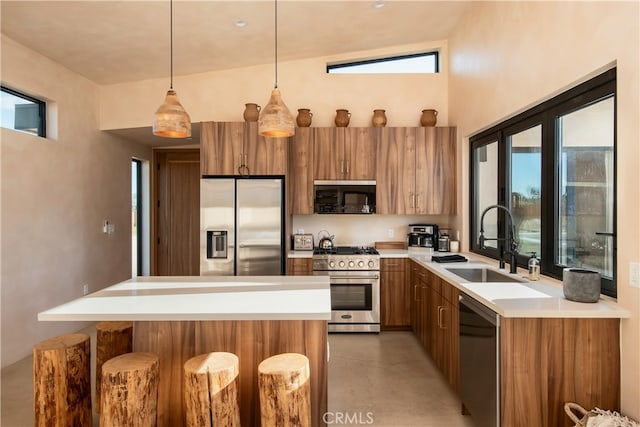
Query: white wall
506, 56
55, 195
220, 96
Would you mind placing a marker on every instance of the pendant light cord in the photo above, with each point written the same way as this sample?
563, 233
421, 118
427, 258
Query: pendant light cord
276, 40
171, 40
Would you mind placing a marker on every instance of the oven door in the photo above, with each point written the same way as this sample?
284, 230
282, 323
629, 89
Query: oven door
355, 301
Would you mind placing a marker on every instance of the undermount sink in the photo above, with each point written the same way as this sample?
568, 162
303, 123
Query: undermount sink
483, 275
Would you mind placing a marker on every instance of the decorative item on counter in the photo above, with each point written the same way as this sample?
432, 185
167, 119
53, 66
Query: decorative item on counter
304, 117
581, 285
534, 267
251, 112
379, 118
454, 246
342, 118
428, 118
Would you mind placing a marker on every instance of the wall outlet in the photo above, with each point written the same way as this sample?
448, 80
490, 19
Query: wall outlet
634, 274
390, 232
85, 289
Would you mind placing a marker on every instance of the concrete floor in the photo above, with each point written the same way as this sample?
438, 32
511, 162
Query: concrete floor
379, 380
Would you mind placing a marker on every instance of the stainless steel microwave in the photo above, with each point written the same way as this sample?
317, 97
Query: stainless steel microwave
344, 197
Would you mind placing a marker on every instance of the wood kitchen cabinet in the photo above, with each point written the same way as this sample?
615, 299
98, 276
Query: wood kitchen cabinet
435, 317
300, 183
344, 153
395, 294
299, 267
226, 146
416, 170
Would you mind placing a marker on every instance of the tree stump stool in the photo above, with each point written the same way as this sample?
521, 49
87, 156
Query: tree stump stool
285, 391
211, 390
62, 381
130, 391
112, 339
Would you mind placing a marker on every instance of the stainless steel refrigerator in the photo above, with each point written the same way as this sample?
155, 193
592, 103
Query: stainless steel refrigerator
241, 227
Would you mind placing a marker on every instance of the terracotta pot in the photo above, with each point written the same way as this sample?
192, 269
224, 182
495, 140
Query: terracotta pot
429, 118
342, 118
304, 117
379, 119
251, 112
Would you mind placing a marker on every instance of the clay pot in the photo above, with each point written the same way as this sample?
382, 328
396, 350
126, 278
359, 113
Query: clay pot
429, 118
251, 112
379, 119
342, 118
304, 117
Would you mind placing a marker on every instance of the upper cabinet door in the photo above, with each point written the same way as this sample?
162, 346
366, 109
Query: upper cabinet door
395, 170
360, 153
439, 177
220, 147
300, 183
264, 156
328, 153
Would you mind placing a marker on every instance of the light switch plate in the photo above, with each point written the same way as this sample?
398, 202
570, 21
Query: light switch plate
634, 274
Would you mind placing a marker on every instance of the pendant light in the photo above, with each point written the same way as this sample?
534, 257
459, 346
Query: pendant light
171, 120
275, 119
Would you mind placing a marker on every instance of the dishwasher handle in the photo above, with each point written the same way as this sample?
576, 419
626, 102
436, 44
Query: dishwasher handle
479, 308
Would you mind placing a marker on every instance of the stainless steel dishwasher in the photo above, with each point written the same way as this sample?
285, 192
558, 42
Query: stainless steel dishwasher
480, 362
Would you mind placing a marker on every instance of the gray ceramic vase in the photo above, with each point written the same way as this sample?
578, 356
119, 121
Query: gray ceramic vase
581, 285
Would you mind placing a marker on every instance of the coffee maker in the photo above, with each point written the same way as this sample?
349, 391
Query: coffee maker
423, 236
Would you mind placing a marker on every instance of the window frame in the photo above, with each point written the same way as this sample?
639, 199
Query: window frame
434, 53
42, 110
546, 113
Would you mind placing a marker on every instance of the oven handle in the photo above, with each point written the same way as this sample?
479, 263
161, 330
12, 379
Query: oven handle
355, 277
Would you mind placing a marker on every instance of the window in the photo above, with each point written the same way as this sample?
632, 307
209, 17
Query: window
425, 63
553, 166
22, 112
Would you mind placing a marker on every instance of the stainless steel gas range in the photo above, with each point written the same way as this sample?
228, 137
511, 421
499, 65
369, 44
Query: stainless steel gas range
354, 278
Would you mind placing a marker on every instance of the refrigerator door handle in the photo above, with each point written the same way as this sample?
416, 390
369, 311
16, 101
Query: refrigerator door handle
217, 244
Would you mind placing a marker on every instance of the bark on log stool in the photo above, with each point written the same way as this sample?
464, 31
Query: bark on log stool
62, 381
112, 339
285, 391
211, 390
130, 390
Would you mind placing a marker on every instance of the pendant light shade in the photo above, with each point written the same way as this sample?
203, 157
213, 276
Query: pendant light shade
275, 119
171, 120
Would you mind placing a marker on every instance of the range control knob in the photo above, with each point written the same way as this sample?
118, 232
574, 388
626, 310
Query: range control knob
372, 264
341, 264
332, 264
360, 263
352, 264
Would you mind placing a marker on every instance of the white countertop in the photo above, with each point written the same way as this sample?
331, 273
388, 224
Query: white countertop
543, 298
202, 298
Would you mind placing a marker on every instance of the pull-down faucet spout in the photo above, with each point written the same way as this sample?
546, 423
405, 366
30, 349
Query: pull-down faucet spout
511, 239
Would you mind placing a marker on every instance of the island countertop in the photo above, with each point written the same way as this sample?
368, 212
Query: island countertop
153, 298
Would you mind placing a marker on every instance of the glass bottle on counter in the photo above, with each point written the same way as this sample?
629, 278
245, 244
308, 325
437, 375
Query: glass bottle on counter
534, 267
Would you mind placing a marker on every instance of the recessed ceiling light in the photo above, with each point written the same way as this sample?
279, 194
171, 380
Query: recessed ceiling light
378, 4
240, 23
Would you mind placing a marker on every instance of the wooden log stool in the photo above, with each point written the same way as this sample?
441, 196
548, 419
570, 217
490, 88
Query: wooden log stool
112, 339
211, 390
130, 390
285, 391
62, 381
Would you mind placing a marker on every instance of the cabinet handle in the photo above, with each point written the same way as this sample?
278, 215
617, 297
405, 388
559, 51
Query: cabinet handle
246, 159
342, 166
348, 164
441, 310
417, 201
413, 200
240, 160
415, 297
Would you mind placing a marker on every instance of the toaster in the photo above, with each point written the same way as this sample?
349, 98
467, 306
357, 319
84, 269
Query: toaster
303, 242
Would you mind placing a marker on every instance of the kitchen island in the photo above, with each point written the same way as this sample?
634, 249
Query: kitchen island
181, 317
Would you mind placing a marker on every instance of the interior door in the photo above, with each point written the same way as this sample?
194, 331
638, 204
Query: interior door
176, 236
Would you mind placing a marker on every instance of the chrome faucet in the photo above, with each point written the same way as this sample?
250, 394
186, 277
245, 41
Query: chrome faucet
511, 238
